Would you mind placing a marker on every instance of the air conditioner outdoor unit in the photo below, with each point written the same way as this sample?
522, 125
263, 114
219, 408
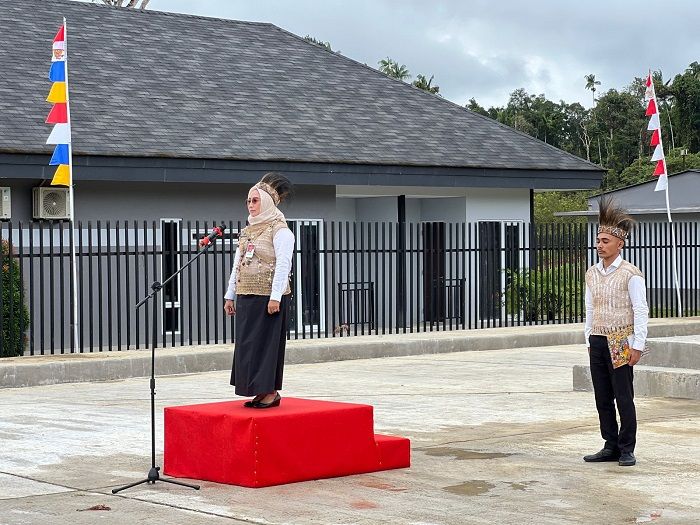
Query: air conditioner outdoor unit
51, 203
5, 204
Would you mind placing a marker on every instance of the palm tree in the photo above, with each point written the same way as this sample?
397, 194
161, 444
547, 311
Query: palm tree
394, 69
423, 83
591, 84
693, 69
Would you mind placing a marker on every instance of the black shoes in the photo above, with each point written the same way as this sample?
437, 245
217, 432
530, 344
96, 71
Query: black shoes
605, 454
274, 403
249, 404
627, 459
624, 459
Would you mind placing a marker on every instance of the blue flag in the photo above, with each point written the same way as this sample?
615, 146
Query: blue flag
60, 155
57, 73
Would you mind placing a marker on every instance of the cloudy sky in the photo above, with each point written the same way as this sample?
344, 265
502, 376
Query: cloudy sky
487, 48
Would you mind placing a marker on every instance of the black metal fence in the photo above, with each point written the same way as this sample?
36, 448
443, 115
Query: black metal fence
347, 279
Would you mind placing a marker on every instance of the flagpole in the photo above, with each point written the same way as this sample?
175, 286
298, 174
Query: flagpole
673, 254
674, 261
70, 199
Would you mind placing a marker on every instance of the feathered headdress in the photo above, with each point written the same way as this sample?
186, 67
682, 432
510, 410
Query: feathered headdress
613, 219
277, 186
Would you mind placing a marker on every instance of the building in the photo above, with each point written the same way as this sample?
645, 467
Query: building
175, 116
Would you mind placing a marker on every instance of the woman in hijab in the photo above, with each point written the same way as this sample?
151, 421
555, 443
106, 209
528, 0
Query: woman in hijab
258, 294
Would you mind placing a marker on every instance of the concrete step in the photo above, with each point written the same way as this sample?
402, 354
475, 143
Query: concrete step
674, 352
110, 366
651, 381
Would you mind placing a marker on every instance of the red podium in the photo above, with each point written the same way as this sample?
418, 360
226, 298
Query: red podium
298, 441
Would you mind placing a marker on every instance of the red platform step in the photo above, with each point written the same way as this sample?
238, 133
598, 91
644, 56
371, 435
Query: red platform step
298, 441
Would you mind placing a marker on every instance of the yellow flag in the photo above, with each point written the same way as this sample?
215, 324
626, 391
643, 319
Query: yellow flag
62, 176
57, 95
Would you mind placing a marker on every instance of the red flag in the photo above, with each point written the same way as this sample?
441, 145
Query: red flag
655, 138
58, 114
660, 168
649, 80
59, 35
651, 108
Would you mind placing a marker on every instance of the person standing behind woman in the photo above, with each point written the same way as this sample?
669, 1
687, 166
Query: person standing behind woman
258, 294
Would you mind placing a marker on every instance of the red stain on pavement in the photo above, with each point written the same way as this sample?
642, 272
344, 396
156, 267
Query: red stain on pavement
363, 504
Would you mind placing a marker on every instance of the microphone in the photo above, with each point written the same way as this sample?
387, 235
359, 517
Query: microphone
218, 231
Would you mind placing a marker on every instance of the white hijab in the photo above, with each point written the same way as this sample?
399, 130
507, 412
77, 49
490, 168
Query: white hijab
268, 211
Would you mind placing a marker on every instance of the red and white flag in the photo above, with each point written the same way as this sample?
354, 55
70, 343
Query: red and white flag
655, 127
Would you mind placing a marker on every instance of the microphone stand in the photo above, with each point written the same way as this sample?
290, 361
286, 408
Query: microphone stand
154, 472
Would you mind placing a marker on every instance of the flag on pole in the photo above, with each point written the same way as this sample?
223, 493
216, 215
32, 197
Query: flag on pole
655, 127
59, 115
60, 137
661, 171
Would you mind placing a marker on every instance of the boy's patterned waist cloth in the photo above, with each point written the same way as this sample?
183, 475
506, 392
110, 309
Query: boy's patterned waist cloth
618, 343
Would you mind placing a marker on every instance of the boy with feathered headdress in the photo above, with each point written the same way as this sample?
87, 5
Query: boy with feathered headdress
616, 331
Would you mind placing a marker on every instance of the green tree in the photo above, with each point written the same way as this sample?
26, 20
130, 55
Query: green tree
664, 99
426, 84
619, 120
685, 90
578, 126
321, 43
550, 202
642, 170
393, 69
474, 106
591, 84
14, 314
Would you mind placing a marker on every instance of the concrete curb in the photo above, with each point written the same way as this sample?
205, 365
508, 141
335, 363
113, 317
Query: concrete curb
672, 369
109, 366
651, 381
674, 353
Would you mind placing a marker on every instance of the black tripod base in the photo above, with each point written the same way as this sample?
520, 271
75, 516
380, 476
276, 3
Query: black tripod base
153, 476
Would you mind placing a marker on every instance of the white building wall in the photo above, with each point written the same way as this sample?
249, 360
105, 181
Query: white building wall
498, 204
447, 209
413, 210
346, 210
376, 209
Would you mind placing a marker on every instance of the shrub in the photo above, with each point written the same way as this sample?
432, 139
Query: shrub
14, 315
545, 294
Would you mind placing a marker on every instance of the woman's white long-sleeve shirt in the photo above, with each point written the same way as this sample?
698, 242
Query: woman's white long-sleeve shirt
283, 243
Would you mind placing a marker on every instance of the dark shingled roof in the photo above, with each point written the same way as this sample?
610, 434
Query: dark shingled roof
153, 84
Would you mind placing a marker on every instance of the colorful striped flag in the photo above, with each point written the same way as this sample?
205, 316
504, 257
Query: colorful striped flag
60, 136
59, 115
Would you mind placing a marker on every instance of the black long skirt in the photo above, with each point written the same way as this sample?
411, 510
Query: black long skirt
258, 358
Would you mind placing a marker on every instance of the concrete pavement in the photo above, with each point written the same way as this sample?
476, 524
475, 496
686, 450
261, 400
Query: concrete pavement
497, 437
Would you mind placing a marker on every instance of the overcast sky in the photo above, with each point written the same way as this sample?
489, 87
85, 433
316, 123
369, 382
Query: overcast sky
487, 48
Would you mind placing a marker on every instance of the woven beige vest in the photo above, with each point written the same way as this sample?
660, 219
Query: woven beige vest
255, 275
612, 307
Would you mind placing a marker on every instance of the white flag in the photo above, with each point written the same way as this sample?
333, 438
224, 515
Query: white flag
60, 134
654, 122
662, 183
648, 93
658, 153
